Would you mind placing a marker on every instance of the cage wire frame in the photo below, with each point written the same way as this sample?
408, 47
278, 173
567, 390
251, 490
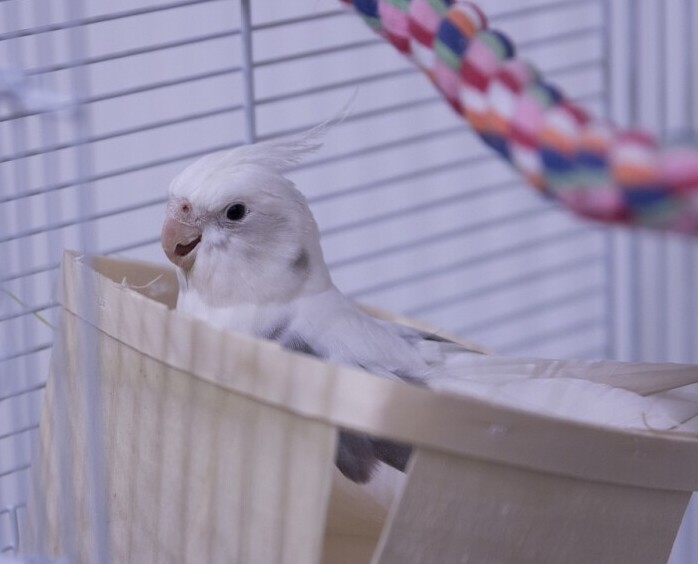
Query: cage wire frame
79, 119
627, 334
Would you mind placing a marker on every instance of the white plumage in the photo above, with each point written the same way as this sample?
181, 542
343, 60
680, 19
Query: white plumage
249, 259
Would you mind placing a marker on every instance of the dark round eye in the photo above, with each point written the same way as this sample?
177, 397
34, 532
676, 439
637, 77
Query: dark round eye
236, 212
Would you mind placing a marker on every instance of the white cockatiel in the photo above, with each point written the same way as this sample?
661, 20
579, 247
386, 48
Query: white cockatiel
249, 259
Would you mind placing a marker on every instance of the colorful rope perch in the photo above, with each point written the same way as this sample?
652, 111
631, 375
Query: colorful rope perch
594, 168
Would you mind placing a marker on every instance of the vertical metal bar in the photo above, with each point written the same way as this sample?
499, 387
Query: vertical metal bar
9, 369
14, 519
92, 397
663, 299
65, 470
635, 329
248, 71
26, 250
689, 62
663, 67
690, 328
610, 256
53, 211
635, 21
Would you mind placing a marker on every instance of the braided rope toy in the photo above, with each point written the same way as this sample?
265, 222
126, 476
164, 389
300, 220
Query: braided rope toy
589, 165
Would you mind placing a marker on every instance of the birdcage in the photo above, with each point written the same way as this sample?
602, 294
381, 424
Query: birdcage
102, 105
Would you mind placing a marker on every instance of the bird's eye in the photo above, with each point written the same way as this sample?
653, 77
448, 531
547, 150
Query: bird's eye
236, 212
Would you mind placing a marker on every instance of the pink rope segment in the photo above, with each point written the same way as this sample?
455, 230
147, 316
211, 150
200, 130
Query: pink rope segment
589, 165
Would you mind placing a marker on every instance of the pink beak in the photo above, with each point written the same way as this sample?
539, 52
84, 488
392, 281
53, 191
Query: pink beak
180, 236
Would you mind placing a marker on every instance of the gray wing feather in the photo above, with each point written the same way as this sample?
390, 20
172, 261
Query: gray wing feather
357, 455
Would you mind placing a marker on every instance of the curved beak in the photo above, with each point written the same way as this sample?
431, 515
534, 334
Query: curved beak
179, 241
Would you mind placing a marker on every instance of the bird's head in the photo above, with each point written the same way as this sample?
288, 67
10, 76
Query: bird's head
240, 231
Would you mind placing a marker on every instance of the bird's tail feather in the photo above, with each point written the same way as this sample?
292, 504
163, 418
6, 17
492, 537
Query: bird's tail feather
643, 396
641, 378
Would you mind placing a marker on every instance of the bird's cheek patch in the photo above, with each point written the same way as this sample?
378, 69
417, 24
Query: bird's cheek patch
217, 240
301, 264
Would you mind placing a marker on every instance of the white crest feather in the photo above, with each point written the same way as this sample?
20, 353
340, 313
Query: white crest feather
277, 156
281, 154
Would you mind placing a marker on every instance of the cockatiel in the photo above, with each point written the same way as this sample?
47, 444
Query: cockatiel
249, 259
